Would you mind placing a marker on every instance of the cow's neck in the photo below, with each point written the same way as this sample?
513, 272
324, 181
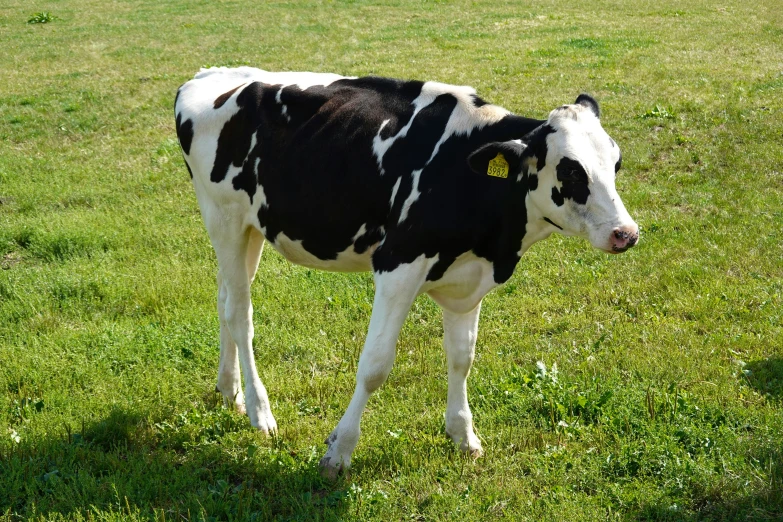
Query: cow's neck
536, 227
508, 241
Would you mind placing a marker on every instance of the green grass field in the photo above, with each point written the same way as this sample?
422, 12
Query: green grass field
667, 401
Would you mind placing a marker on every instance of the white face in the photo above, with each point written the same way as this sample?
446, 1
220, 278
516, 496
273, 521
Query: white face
576, 191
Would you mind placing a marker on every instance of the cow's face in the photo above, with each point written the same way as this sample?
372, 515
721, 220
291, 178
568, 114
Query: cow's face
569, 164
575, 192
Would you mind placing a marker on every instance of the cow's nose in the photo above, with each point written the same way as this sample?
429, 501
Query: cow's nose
624, 237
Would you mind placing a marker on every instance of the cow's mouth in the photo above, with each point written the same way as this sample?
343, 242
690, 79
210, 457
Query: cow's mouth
552, 223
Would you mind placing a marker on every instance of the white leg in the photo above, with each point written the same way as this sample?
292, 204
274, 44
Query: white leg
235, 257
459, 341
229, 382
255, 245
394, 294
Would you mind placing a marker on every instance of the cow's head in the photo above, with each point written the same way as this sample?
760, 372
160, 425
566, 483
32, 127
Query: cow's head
569, 165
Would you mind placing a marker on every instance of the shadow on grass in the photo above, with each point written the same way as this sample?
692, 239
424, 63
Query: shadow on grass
720, 505
725, 504
756, 509
193, 467
766, 376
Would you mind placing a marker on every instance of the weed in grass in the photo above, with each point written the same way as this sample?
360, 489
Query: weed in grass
659, 113
43, 17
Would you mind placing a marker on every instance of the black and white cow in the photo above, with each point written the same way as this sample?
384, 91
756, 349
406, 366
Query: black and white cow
430, 187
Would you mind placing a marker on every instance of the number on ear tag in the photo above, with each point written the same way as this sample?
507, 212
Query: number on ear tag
498, 167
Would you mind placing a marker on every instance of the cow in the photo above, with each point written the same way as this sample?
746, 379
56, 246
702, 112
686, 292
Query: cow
425, 184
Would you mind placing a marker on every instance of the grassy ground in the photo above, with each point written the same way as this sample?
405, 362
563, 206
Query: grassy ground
667, 399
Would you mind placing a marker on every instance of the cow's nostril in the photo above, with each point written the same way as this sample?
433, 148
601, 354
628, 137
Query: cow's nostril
623, 238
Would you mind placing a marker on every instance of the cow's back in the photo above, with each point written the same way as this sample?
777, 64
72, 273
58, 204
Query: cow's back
330, 168
207, 103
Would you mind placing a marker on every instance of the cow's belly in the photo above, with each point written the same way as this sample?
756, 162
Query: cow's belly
347, 261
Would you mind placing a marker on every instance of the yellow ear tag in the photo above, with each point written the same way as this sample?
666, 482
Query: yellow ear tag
498, 167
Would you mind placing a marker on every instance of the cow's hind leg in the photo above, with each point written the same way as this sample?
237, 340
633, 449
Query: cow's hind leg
255, 245
459, 341
394, 295
238, 251
229, 382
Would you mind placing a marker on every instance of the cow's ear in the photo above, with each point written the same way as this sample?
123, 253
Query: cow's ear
497, 159
588, 101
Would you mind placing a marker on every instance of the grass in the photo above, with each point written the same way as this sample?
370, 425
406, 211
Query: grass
667, 399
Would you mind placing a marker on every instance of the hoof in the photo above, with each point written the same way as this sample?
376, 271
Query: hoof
328, 471
471, 445
264, 421
268, 428
234, 401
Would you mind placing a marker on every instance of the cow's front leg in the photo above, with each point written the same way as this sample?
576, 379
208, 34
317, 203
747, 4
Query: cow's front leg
459, 341
394, 294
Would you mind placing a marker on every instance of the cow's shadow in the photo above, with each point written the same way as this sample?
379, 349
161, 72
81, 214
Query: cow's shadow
121, 464
764, 505
766, 376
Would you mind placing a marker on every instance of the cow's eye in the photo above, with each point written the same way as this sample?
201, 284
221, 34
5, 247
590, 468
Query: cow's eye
571, 171
571, 176
618, 165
